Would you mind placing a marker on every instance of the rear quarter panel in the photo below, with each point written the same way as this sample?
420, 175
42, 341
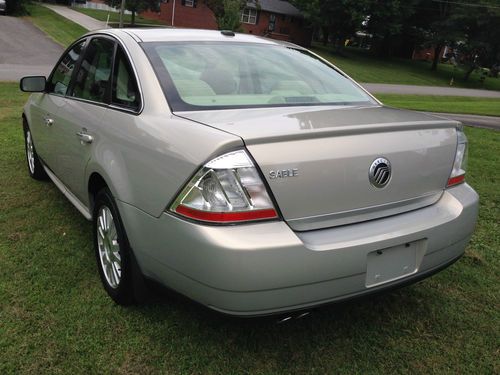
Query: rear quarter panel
147, 159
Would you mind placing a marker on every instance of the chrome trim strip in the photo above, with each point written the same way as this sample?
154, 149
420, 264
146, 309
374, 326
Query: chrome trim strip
363, 214
74, 200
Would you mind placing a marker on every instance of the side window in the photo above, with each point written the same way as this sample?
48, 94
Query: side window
93, 76
62, 75
124, 91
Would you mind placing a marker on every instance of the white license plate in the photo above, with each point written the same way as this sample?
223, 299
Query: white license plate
392, 263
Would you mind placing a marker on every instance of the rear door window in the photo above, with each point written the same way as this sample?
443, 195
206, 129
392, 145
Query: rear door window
125, 92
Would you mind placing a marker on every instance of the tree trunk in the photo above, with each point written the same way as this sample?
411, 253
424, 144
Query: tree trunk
132, 20
326, 33
437, 53
469, 71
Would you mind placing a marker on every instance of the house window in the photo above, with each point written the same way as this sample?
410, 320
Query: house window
189, 3
249, 15
272, 22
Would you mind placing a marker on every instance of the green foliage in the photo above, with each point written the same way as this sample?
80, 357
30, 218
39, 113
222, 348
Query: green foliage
227, 13
16, 7
396, 26
480, 42
135, 6
231, 18
338, 19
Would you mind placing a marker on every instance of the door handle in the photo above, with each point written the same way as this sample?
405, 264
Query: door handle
84, 137
48, 121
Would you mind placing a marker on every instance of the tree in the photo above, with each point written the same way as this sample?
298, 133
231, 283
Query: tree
227, 13
135, 6
336, 19
437, 26
480, 45
16, 7
471, 28
388, 23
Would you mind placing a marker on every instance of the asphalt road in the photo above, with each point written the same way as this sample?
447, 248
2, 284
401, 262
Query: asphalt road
382, 88
25, 50
489, 122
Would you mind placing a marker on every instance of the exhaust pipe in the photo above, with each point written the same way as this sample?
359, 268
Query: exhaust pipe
292, 317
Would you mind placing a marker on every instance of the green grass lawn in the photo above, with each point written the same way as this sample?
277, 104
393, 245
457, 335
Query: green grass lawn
60, 29
102, 15
56, 318
450, 104
366, 68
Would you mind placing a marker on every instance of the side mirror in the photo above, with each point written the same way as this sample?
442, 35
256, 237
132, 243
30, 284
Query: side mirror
32, 84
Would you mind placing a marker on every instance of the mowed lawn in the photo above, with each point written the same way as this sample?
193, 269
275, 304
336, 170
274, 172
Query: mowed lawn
364, 67
55, 317
60, 29
449, 104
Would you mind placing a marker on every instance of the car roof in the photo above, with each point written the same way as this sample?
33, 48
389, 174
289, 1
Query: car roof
172, 34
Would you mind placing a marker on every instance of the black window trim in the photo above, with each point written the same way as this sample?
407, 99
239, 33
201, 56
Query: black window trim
118, 43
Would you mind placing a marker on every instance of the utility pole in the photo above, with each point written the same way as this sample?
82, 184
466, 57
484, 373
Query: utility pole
173, 13
122, 11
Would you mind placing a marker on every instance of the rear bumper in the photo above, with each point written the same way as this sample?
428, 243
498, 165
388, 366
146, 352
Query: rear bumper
268, 268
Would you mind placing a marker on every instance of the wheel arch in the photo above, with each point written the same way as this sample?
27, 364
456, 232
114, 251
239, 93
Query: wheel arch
95, 183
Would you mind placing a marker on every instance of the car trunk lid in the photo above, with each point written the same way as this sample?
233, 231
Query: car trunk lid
317, 160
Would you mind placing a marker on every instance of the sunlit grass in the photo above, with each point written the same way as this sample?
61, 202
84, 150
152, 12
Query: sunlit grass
450, 104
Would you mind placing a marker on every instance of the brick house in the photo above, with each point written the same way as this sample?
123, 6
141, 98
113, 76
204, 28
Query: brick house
277, 19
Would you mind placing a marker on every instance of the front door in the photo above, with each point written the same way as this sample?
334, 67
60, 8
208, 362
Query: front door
47, 106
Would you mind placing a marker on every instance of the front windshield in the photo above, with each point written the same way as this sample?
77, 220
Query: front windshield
205, 75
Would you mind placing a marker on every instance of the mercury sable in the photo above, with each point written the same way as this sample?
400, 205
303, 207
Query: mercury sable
248, 174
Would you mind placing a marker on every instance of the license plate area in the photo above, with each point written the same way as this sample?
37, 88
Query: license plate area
392, 263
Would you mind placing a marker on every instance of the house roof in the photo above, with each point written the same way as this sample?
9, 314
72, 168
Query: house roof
275, 6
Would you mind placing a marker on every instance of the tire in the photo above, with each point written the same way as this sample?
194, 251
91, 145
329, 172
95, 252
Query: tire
115, 260
35, 167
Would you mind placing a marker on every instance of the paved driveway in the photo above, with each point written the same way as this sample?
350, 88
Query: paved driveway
25, 50
82, 19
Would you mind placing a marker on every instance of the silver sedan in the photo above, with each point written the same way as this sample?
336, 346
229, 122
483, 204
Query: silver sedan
248, 174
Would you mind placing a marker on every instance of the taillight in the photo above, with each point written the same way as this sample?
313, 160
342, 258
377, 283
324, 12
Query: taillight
227, 189
457, 175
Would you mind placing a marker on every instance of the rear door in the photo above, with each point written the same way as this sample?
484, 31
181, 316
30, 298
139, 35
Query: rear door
81, 117
46, 107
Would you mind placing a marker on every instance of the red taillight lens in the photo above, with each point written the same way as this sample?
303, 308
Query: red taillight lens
456, 180
226, 217
457, 175
228, 189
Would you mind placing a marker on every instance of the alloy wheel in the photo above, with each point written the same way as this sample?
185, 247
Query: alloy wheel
30, 152
108, 246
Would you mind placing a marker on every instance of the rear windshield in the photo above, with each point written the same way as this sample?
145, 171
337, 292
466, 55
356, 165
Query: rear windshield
200, 76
